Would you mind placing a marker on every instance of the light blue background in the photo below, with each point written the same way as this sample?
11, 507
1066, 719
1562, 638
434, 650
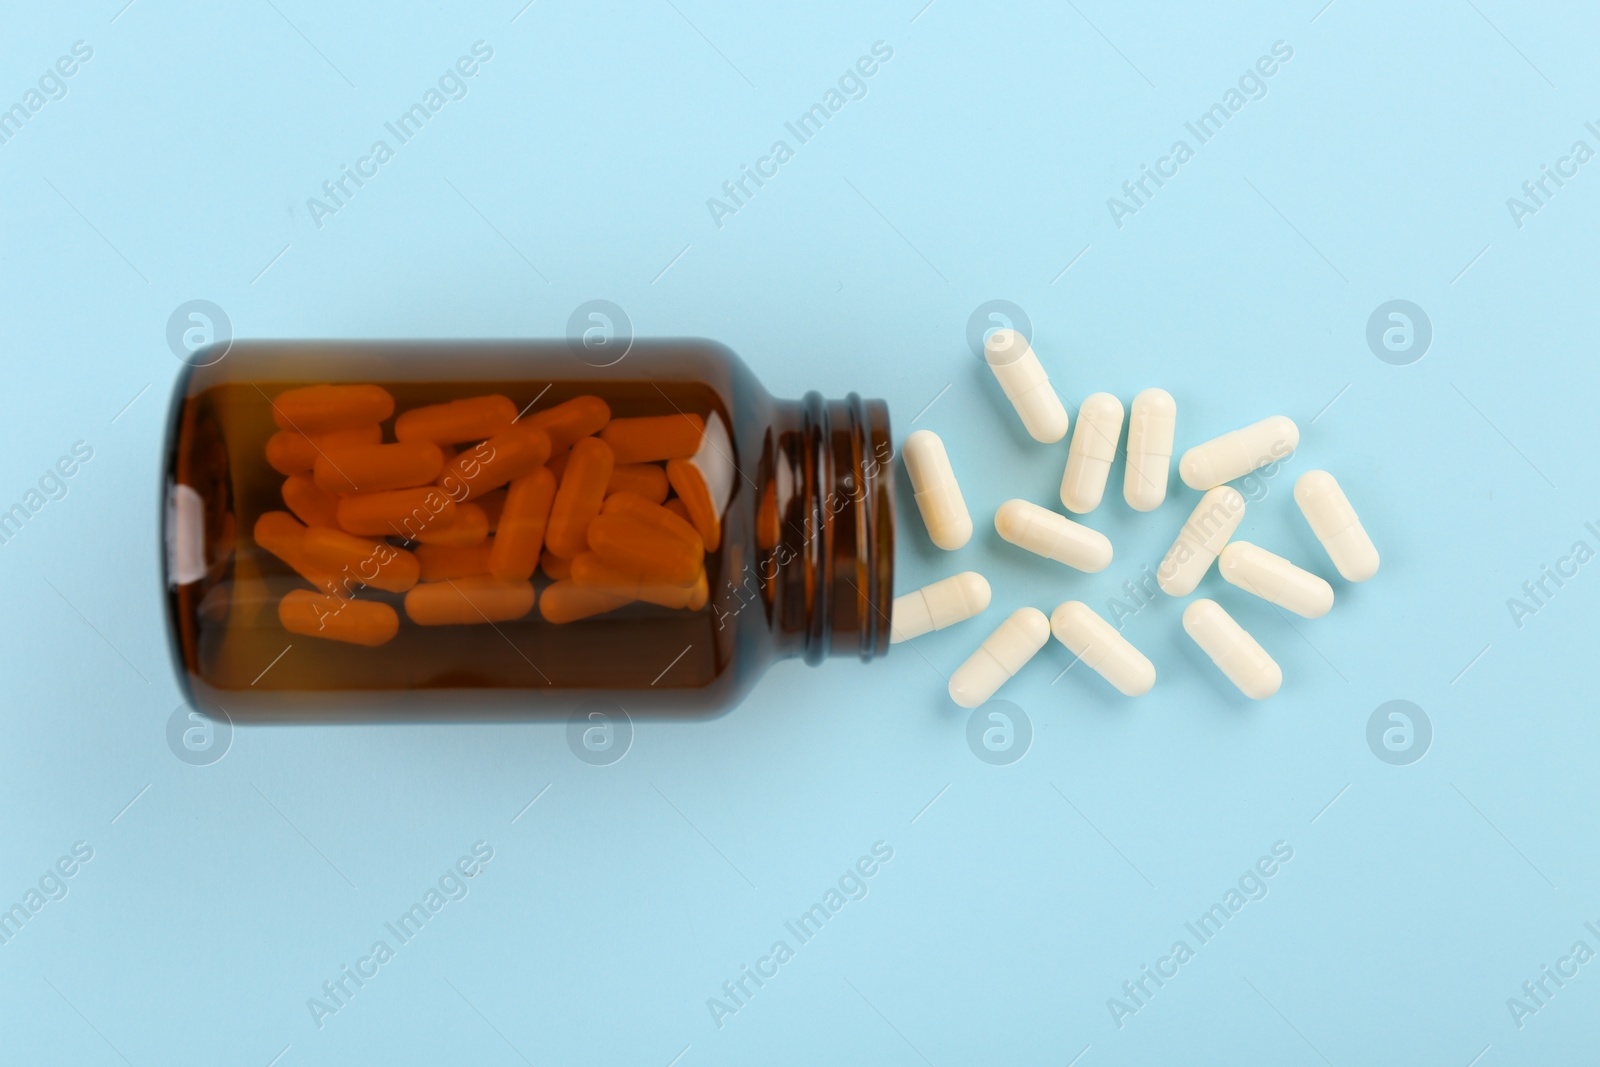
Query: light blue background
1020, 897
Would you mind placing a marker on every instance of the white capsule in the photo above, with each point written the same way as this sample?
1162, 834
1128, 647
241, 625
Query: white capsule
933, 607
934, 486
1045, 533
1336, 525
1094, 446
1151, 422
1274, 579
1097, 643
1232, 649
1026, 385
1204, 532
1237, 453
1002, 654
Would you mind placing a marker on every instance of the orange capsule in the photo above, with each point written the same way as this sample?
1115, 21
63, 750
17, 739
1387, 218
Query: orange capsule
767, 518
469, 527
554, 566
567, 601
356, 622
654, 437
641, 547
690, 485
522, 525
310, 505
666, 519
279, 533
374, 468
447, 455
700, 593
492, 503
472, 419
592, 572
318, 409
375, 563
676, 507
570, 420
478, 598
397, 512
492, 463
578, 500
438, 562
646, 479
292, 453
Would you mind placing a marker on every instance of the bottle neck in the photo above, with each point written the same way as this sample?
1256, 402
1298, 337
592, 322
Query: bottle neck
831, 524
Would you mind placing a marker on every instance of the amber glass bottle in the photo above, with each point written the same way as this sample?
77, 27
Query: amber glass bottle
502, 529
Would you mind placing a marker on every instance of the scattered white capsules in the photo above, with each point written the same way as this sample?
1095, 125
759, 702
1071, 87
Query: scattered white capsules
1045, 533
1094, 446
1151, 422
1097, 643
1232, 649
934, 486
1002, 654
1274, 579
1204, 533
933, 607
1336, 525
1237, 453
1026, 385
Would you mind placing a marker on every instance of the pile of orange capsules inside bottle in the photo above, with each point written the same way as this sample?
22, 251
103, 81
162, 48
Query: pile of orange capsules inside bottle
611, 510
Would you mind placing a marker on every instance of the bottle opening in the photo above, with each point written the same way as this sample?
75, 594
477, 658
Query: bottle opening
857, 581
